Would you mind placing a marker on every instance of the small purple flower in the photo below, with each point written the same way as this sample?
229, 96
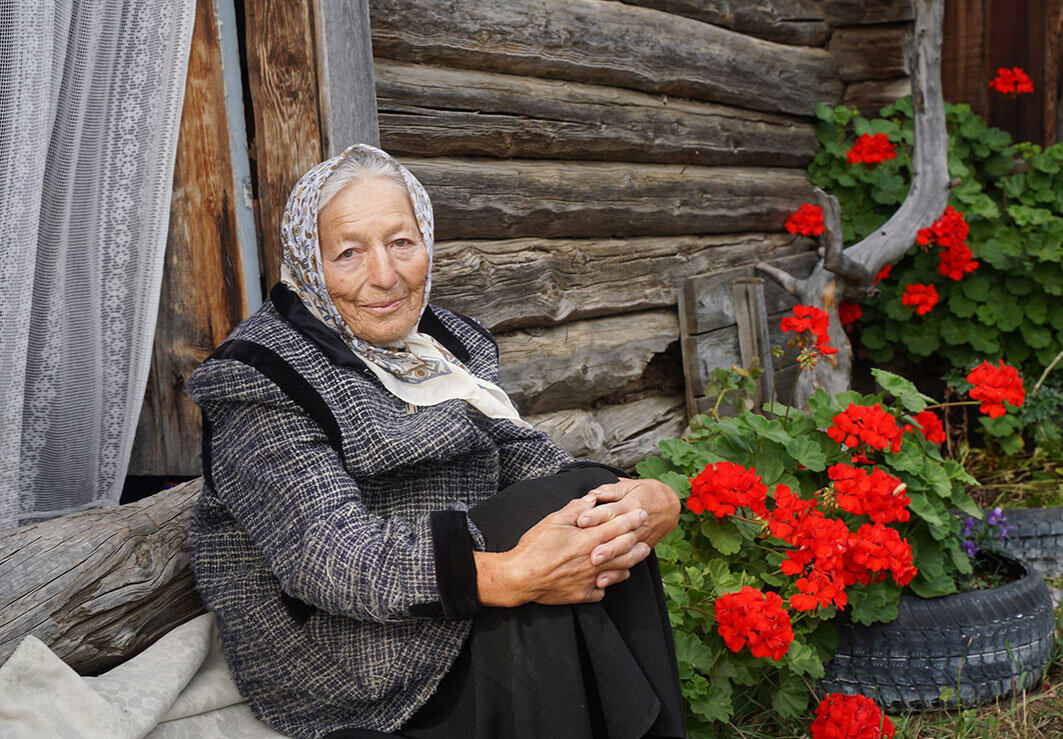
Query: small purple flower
969, 548
1004, 529
968, 527
995, 516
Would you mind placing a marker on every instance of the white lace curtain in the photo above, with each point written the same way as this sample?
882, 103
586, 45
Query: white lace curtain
90, 104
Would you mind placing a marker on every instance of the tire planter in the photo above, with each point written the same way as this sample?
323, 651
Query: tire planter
1037, 538
982, 644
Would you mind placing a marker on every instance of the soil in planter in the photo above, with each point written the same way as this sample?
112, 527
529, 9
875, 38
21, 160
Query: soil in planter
990, 572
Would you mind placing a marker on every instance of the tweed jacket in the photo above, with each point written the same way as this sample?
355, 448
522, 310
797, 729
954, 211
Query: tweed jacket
331, 540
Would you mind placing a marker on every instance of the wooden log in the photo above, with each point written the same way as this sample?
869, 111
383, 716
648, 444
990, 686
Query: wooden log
608, 43
621, 435
510, 199
99, 586
798, 22
434, 111
198, 306
345, 75
282, 83
535, 282
869, 97
577, 363
871, 52
861, 12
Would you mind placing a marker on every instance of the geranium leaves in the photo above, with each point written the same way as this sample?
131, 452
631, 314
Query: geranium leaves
902, 389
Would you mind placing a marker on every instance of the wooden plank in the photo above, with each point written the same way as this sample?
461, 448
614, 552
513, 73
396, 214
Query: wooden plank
753, 341
1009, 42
282, 83
198, 305
860, 12
477, 199
963, 58
1053, 71
720, 348
621, 435
436, 111
99, 586
797, 22
578, 363
708, 300
871, 52
345, 75
535, 282
869, 97
608, 43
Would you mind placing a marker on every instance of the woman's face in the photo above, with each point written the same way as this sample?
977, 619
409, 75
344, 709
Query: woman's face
374, 259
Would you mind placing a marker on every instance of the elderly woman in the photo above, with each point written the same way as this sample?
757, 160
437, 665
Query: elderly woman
386, 544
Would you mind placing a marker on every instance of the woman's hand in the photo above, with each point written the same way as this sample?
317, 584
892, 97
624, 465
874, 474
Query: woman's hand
558, 562
619, 498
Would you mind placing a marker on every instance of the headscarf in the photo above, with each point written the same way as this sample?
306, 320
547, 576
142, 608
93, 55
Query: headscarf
418, 370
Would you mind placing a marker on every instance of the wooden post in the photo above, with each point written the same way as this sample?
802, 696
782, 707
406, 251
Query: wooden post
753, 341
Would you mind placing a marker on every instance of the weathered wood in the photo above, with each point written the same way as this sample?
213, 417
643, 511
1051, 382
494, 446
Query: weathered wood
784, 385
345, 75
860, 12
510, 199
754, 342
964, 77
869, 97
282, 83
535, 282
577, 363
197, 306
609, 43
434, 111
784, 21
620, 435
721, 348
98, 587
708, 300
871, 52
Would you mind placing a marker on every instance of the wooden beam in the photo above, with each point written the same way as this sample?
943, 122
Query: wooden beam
871, 52
437, 111
607, 43
282, 81
577, 363
476, 199
721, 348
796, 22
100, 586
621, 435
345, 75
203, 295
869, 97
535, 282
861, 12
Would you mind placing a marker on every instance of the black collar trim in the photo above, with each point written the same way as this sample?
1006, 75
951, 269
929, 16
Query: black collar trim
295, 312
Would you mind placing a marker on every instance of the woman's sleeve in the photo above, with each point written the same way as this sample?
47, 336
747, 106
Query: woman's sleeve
274, 468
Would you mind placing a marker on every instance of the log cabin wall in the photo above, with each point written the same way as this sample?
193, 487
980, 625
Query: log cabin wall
584, 158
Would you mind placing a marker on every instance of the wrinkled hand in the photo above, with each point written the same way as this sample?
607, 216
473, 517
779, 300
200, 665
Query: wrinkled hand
619, 498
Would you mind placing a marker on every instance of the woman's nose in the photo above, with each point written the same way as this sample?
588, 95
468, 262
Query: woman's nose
382, 272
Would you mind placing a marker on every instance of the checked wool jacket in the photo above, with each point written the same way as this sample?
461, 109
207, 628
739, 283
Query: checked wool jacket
331, 540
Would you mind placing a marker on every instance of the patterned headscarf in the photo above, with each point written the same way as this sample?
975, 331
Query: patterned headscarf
419, 369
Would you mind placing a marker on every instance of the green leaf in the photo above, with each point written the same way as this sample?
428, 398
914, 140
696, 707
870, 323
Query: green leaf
902, 389
678, 482
715, 705
977, 288
822, 408
791, 697
825, 640
690, 650
938, 478
653, 467
724, 535
874, 602
723, 580
768, 466
932, 588
807, 452
925, 509
803, 660
762, 427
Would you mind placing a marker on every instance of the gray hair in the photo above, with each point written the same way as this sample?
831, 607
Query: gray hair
358, 163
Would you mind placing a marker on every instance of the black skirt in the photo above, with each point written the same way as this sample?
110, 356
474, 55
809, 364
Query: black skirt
602, 670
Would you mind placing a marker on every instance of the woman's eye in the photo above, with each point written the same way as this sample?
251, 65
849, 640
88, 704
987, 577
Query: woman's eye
402, 242
346, 254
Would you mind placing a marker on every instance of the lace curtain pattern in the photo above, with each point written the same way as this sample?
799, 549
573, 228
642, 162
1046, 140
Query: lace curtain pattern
90, 105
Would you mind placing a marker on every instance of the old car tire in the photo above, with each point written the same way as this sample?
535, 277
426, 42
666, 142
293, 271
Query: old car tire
1037, 538
981, 644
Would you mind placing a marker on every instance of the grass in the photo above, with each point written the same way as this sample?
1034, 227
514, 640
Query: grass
1017, 481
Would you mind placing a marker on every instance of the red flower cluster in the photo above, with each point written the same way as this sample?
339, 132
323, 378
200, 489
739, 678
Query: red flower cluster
871, 425
806, 220
1012, 81
994, 386
754, 618
883, 274
950, 233
878, 549
921, 297
879, 495
850, 717
871, 149
930, 427
789, 509
811, 319
849, 312
724, 487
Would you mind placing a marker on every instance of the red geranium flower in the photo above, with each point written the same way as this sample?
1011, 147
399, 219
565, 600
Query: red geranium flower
724, 487
994, 386
875, 550
871, 149
921, 297
871, 425
883, 273
1012, 81
950, 233
811, 319
850, 717
849, 312
929, 425
879, 495
806, 220
819, 590
751, 617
